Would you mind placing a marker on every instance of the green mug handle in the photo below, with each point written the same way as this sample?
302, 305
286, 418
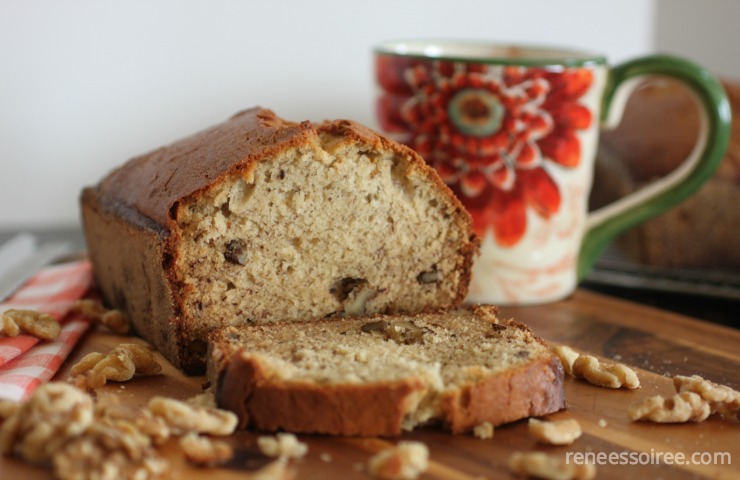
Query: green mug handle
715, 119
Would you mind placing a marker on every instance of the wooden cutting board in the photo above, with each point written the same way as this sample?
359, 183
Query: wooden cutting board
656, 342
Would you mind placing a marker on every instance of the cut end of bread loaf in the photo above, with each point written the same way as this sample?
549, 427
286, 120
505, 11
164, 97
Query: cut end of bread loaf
284, 222
380, 375
332, 228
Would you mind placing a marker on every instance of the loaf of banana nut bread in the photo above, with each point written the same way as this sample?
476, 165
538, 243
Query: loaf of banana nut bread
379, 375
259, 220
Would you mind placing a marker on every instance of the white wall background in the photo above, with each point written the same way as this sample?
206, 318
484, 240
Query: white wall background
705, 31
85, 85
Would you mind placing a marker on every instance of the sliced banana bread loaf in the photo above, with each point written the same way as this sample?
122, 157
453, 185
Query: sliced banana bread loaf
378, 375
259, 219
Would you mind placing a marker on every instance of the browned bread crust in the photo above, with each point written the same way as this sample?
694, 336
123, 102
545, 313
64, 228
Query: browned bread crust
529, 391
349, 410
131, 217
244, 363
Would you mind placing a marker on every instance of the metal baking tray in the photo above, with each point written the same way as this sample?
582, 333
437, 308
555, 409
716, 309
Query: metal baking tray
614, 268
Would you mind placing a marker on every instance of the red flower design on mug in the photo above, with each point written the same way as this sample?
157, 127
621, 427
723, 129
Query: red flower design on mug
492, 132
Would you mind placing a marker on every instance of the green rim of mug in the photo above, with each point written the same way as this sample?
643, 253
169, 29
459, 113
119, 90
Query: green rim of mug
541, 56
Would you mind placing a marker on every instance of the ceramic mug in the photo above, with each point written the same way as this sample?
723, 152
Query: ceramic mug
513, 131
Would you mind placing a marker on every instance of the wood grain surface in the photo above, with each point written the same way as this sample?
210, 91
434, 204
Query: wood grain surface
659, 344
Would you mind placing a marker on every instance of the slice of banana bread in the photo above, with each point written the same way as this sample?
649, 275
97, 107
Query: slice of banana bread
259, 219
378, 375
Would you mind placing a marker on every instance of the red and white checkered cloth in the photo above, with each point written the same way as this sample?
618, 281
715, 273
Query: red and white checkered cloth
24, 364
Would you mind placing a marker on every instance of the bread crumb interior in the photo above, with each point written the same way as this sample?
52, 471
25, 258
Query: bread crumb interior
452, 350
331, 229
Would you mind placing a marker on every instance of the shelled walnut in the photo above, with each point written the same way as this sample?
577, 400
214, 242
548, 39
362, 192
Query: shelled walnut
567, 356
106, 451
115, 320
143, 419
182, 417
30, 322
120, 365
722, 399
282, 445
204, 451
65, 428
682, 407
608, 375
556, 432
406, 461
41, 426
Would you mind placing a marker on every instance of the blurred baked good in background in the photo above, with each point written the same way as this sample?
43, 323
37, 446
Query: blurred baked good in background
658, 131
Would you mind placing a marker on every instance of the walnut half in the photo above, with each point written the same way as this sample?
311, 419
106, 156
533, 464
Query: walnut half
404, 332
182, 417
30, 322
55, 413
721, 398
567, 357
484, 431
94, 311
120, 365
204, 451
680, 408
109, 452
282, 445
557, 432
405, 461
114, 413
608, 375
